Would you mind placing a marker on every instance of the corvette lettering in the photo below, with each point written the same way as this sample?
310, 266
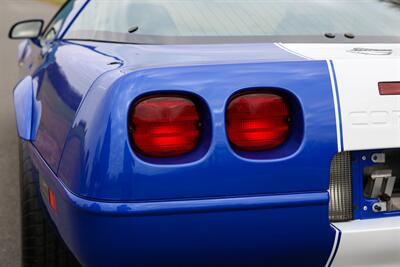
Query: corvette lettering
376, 118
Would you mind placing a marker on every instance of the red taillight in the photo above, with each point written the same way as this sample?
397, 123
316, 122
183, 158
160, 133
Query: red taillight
165, 126
389, 88
257, 121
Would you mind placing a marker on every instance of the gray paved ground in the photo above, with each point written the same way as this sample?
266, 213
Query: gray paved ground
11, 11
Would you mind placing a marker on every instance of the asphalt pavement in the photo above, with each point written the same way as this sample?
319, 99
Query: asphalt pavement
12, 11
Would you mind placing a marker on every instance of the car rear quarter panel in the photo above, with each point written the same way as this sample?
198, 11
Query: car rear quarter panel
115, 207
62, 81
98, 161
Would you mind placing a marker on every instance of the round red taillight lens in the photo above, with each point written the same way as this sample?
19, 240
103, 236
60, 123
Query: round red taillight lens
164, 126
257, 121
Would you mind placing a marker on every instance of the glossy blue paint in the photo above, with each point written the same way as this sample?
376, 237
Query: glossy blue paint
98, 161
63, 80
281, 230
23, 96
212, 207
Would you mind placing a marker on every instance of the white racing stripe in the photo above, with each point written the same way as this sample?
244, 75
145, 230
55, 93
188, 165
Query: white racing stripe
368, 120
365, 120
334, 249
282, 46
326, 51
335, 102
369, 243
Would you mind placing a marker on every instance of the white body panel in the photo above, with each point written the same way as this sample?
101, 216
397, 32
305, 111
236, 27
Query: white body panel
369, 243
368, 120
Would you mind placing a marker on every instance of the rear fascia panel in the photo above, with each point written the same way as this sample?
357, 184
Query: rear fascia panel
98, 161
283, 230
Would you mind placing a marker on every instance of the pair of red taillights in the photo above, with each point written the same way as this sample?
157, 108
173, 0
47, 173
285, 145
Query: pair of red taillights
171, 125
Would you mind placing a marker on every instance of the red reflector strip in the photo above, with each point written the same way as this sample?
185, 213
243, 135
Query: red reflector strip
389, 88
52, 199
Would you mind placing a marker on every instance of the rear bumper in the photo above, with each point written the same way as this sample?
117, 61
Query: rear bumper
278, 230
372, 242
251, 231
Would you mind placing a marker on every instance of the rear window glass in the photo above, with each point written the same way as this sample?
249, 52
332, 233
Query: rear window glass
110, 19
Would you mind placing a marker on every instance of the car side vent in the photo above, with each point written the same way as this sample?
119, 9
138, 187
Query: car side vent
340, 188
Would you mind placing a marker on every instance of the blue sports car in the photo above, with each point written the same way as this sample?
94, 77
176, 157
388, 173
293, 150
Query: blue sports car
209, 133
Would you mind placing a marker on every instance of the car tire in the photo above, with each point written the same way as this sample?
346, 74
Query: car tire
41, 244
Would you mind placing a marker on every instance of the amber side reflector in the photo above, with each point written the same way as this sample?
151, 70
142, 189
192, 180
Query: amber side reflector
389, 88
52, 199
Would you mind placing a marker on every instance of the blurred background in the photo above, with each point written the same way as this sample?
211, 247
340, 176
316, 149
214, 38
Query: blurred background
12, 11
